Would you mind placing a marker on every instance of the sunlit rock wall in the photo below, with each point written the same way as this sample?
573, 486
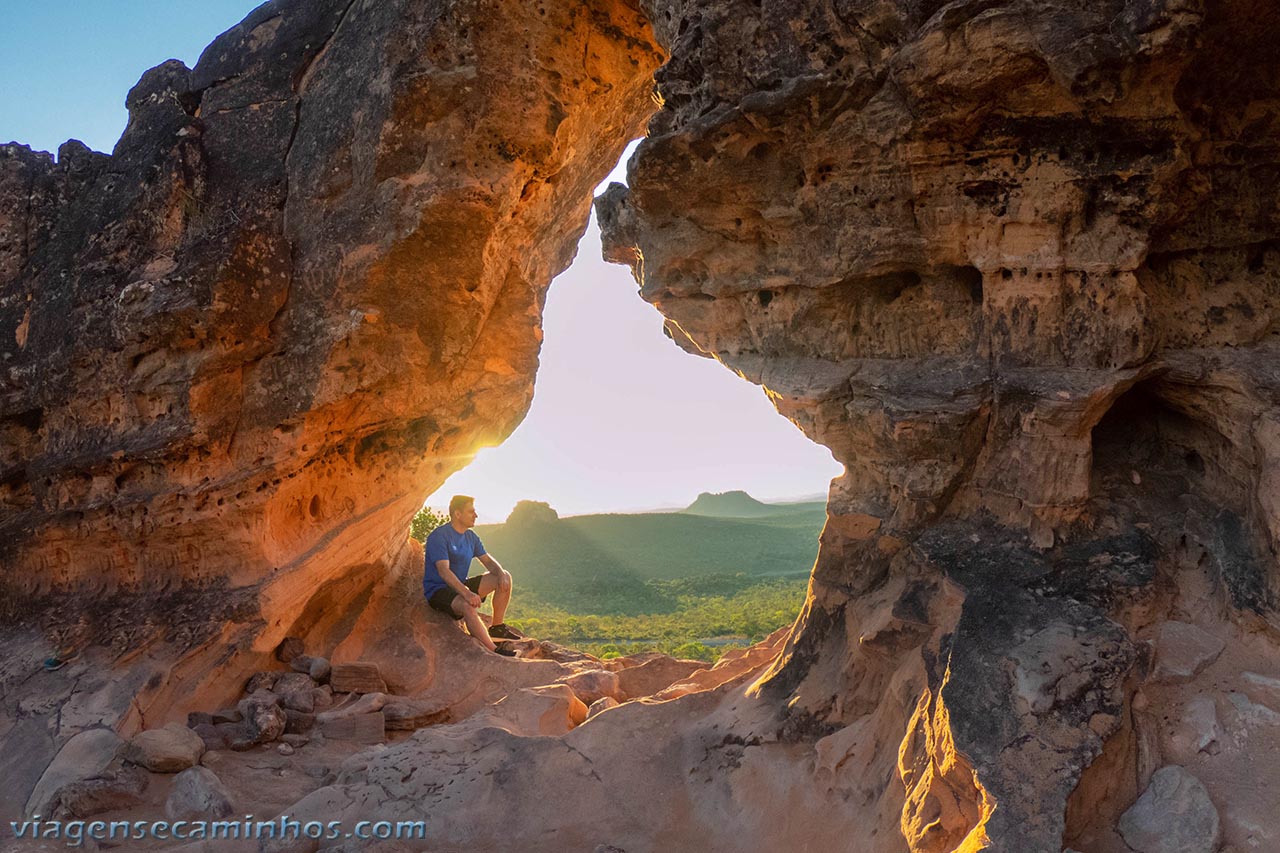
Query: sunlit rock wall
237, 353
304, 288
1015, 264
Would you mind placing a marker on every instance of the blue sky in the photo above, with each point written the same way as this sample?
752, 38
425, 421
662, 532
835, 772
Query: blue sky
621, 418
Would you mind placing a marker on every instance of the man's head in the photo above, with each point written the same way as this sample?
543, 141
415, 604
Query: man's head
462, 511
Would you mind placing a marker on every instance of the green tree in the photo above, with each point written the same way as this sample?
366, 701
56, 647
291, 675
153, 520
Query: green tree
426, 521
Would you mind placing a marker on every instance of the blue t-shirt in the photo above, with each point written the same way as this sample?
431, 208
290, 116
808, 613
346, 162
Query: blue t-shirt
445, 543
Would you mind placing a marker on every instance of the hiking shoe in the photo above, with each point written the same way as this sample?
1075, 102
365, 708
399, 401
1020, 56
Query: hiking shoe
505, 652
61, 659
504, 632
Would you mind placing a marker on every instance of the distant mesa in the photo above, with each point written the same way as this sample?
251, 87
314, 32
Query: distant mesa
735, 504
532, 512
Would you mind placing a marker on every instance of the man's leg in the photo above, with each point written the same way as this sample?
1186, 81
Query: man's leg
475, 625
500, 586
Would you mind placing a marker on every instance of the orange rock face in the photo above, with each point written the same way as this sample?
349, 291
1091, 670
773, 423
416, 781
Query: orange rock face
303, 290
1005, 262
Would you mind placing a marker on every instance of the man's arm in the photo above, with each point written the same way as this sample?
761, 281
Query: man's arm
492, 565
451, 581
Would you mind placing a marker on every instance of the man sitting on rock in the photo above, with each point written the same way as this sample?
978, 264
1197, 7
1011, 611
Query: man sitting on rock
450, 549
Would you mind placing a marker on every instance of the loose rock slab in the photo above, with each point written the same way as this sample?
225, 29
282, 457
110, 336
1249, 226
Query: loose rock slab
113, 791
84, 756
1198, 729
198, 793
1174, 815
1183, 651
356, 678
405, 714
361, 728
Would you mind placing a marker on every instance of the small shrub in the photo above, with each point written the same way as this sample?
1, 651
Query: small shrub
426, 521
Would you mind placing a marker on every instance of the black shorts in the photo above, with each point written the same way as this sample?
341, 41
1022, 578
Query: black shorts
442, 599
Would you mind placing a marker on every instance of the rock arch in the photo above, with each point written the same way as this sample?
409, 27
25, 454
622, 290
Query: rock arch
978, 226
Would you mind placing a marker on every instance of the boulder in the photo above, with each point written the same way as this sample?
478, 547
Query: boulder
259, 698
263, 720
297, 722
112, 791
320, 670
198, 793
212, 737
298, 700
261, 681
1183, 651
171, 749
227, 715
322, 696
297, 691
602, 704
356, 678
316, 668
84, 756
1173, 815
236, 736
1263, 685
290, 682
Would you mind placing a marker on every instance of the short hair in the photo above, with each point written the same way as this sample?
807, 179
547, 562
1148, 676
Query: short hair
458, 503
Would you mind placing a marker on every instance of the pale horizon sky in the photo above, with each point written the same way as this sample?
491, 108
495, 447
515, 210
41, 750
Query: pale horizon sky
622, 419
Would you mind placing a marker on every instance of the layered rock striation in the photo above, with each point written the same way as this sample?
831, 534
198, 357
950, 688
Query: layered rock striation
1014, 263
236, 353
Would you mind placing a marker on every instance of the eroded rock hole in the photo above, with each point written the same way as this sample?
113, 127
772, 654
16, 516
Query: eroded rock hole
1145, 439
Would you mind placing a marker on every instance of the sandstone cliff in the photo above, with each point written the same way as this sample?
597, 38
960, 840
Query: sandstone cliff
1013, 262
306, 285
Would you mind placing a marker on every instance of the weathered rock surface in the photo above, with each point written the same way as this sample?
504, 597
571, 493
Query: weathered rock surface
1198, 729
82, 757
1016, 264
232, 352
368, 727
112, 791
356, 678
1174, 815
551, 710
1004, 263
198, 794
262, 721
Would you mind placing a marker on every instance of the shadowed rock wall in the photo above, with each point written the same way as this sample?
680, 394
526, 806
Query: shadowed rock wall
1015, 263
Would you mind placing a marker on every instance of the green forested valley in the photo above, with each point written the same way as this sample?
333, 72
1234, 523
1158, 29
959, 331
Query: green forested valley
692, 585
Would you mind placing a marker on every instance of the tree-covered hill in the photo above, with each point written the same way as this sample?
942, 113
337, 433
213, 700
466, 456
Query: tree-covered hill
642, 563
